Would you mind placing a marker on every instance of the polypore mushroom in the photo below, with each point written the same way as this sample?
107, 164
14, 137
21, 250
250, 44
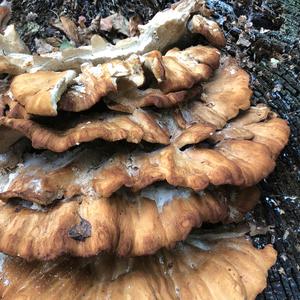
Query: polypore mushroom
225, 95
124, 199
235, 161
39, 92
138, 126
226, 268
178, 70
129, 100
125, 224
95, 82
209, 29
237, 128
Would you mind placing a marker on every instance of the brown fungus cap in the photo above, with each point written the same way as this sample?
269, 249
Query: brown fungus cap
228, 268
130, 99
39, 92
125, 224
242, 160
209, 29
178, 70
192, 65
224, 96
97, 81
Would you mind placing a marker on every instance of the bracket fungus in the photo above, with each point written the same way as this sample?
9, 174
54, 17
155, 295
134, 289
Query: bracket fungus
209, 29
221, 268
125, 224
129, 100
189, 123
139, 143
236, 161
95, 82
39, 92
178, 70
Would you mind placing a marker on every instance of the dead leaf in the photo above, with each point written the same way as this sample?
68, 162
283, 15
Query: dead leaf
10, 41
85, 32
82, 21
117, 22
95, 25
243, 40
42, 47
53, 41
106, 23
70, 29
134, 22
5, 14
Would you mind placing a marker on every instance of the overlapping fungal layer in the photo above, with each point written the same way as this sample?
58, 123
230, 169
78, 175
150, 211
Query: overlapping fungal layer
222, 269
229, 148
199, 115
83, 177
206, 149
242, 154
125, 224
177, 70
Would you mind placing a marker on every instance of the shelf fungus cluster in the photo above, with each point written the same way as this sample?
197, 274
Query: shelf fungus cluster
112, 154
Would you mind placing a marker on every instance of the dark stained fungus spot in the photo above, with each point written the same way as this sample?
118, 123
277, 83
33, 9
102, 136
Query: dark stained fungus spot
81, 231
